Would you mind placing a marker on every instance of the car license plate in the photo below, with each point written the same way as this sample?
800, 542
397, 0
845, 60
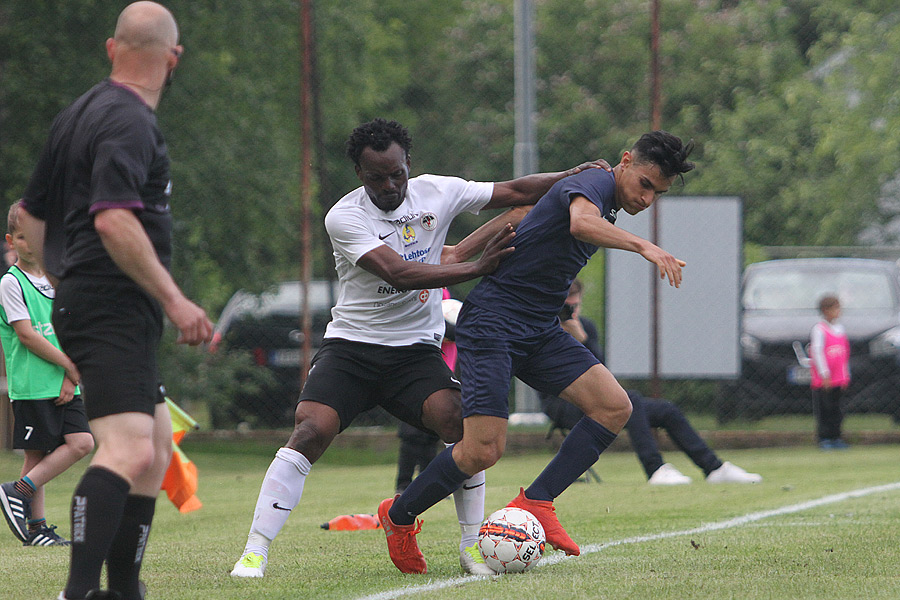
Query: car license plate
289, 357
799, 375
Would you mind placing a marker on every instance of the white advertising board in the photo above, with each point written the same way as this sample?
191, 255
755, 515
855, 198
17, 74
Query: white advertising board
699, 323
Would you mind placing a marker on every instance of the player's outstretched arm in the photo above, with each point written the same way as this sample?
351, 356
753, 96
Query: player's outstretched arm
476, 241
412, 275
588, 225
528, 189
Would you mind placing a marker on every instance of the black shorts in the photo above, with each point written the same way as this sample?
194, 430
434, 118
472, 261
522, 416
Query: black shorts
111, 331
353, 377
41, 425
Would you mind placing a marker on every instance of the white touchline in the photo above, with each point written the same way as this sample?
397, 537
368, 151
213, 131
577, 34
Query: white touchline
589, 549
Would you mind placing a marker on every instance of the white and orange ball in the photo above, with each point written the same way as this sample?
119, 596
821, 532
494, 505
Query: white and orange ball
511, 540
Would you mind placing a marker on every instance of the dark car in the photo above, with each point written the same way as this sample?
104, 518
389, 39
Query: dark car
780, 306
268, 326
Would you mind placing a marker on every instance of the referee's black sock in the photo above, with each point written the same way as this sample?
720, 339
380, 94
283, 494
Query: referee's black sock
97, 508
127, 550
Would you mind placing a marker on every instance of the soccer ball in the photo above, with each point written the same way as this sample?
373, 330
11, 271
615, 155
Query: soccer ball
511, 540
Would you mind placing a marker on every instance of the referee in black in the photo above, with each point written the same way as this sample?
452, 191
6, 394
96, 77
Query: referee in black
98, 206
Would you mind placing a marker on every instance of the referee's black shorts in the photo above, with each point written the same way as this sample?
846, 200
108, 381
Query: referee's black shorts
353, 377
111, 331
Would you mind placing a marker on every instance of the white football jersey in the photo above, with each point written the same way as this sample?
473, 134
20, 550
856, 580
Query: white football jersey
370, 310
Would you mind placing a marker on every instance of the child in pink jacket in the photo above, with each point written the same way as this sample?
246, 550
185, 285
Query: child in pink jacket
829, 351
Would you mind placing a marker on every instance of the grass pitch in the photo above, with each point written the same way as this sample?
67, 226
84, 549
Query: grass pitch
638, 541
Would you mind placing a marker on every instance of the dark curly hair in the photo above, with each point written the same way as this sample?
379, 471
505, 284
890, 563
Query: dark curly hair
378, 135
664, 150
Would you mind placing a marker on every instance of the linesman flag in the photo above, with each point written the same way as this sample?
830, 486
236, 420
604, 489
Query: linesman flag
180, 482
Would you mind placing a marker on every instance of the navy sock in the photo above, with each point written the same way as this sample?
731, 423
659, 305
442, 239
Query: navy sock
440, 479
127, 550
97, 507
581, 449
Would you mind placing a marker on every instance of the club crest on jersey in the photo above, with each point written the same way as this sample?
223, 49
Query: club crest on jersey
429, 221
409, 234
423, 296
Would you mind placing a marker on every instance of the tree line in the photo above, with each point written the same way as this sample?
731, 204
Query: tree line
793, 105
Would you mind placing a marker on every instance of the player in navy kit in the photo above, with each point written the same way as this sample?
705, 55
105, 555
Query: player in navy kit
509, 327
382, 346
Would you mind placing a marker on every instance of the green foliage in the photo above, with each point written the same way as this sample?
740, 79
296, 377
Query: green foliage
40, 74
231, 121
792, 103
206, 382
810, 151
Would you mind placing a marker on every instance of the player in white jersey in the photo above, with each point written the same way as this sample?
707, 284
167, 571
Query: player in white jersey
382, 347
369, 309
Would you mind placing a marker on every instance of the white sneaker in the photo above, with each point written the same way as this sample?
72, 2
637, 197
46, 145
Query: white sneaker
251, 564
729, 473
668, 475
472, 562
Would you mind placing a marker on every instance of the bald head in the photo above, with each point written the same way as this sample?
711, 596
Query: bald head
144, 50
145, 24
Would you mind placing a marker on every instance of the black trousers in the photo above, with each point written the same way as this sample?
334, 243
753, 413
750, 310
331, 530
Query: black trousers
647, 414
417, 449
828, 411
650, 413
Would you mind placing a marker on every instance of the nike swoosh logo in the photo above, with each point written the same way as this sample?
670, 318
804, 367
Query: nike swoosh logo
275, 506
381, 237
472, 487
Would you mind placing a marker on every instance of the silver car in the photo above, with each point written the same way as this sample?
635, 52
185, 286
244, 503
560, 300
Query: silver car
780, 306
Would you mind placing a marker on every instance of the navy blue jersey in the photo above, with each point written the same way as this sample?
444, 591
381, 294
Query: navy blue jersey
532, 284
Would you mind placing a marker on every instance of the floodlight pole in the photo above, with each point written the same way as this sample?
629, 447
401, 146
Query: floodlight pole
525, 155
655, 123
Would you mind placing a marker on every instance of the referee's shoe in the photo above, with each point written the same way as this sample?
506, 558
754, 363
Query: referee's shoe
16, 508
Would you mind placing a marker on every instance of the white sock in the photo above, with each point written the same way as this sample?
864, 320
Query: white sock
282, 487
469, 500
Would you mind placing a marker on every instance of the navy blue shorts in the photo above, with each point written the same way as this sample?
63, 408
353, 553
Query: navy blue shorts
494, 348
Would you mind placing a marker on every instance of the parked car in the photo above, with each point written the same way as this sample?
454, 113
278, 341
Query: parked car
268, 326
780, 306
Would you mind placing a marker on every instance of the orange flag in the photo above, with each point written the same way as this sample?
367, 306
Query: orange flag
180, 482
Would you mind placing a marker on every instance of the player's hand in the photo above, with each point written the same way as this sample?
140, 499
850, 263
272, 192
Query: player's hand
594, 164
194, 327
574, 328
669, 266
496, 250
66, 393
